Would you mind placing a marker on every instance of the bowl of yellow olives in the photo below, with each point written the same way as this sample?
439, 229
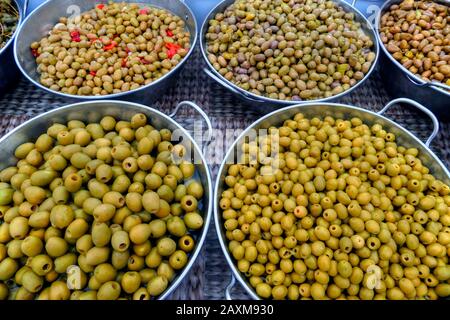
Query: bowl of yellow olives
101, 200
331, 201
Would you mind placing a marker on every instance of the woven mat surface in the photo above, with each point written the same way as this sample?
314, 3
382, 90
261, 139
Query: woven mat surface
210, 274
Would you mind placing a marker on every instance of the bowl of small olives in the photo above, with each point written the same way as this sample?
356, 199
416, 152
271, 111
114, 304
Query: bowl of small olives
85, 50
100, 201
278, 53
414, 41
331, 201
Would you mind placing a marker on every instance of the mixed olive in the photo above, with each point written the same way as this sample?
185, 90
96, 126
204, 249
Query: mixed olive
341, 212
417, 34
289, 49
110, 49
97, 211
9, 17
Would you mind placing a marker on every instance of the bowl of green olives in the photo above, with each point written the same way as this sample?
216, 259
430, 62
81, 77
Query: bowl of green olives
278, 53
101, 200
86, 50
331, 201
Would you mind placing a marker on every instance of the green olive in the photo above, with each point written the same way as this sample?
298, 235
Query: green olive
31, 246
101, 234
193, 220
105, 272
157, 285
166, 246
109, 291
32, 282
131, 282
7, 268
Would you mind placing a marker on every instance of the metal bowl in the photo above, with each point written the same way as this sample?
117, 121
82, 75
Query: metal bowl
42, 20
93, 111
404, 83
8, 69
310, 110
266, 104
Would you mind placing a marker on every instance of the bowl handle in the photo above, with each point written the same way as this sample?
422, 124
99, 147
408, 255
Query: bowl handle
352, 3
25, 8
202, 113
229, 288
420, 107
428, 83
227, 86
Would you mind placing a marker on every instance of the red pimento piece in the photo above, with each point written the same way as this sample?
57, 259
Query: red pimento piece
92, 37
100, 6
75, 35
35, 53
93, 73
110, 46
144, 11
143, 61
169, 33
124, 62
172, 49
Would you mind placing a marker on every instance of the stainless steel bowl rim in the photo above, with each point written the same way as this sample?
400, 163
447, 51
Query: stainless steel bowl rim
415, 77
251, 96
217, 211
19, 23
108, 96
208, 209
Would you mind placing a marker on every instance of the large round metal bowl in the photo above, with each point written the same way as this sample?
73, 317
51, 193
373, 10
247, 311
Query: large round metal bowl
310, 110
93, 111
41, 21
403, 82
8, 68
266, 104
